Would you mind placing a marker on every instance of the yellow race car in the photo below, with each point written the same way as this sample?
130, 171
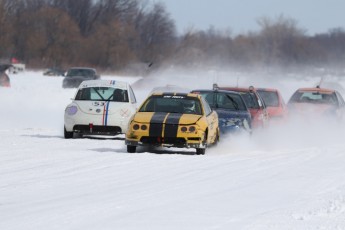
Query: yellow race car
173, 120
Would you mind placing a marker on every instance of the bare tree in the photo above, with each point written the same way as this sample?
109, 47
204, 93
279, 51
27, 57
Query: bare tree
278, 38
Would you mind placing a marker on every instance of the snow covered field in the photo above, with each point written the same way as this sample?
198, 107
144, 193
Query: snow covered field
288, 177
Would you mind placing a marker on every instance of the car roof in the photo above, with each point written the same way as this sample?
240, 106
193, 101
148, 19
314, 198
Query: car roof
238, 89
175, 94
211, 90
81, 68
84, 68
317, 89
104, 83
267, 89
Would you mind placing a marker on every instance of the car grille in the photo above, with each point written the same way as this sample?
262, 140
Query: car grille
166, 140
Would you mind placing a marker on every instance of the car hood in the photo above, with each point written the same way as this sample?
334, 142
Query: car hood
161, 117
312, 109
233, 118
232, 114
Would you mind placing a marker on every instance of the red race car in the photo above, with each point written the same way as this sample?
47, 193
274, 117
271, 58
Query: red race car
255, 104
275, 103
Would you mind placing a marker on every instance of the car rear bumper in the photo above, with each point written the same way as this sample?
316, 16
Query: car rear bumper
97, 130
85, 125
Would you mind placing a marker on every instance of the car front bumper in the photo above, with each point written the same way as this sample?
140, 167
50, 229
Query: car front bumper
165, 143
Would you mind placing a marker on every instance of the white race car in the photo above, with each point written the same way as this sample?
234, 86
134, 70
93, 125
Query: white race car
100, 107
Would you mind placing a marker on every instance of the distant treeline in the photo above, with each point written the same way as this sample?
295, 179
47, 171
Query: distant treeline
134, 34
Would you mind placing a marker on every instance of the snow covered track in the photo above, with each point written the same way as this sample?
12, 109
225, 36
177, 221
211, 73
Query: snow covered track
276, 179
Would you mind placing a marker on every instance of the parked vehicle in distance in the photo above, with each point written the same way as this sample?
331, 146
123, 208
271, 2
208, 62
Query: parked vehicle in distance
77, 75
173, 120
4, 78
233, 114
276, 106
54, 72
317, 102
255, 104
100, 107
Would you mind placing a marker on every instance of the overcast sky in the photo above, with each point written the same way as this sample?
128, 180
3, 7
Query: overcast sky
240, 16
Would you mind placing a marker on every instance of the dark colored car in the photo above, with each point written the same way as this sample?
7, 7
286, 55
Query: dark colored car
54, 72
77, 75
233, 114
317, 102
4, 78
255, 104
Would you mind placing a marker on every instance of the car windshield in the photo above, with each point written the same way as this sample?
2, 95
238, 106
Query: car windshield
172, 104
102, 94
314, 97
228, 101
80, 72
270, 98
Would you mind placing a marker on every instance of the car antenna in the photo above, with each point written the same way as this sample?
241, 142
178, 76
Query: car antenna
321, 80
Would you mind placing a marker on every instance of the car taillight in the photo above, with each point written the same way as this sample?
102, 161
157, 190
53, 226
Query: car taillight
71, 110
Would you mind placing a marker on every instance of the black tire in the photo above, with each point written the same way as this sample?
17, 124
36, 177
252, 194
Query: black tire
200, 151
131, 148
216, 141
67, 135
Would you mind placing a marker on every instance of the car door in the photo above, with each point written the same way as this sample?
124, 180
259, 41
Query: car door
212, 121
341, 107
263, 110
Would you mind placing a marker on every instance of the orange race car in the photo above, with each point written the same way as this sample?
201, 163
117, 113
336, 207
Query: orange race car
317, 102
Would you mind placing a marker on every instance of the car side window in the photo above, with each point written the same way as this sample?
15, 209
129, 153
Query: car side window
83, 94
250, 99
261, 102
206, 106
132, 95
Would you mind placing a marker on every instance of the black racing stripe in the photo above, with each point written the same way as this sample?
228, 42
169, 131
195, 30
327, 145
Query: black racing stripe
156, 124
171, 124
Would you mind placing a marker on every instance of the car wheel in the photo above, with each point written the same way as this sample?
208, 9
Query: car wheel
200, 151
216, 141
131, 148
67, 135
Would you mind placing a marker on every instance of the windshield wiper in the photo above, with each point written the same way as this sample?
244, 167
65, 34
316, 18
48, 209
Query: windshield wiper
233, 102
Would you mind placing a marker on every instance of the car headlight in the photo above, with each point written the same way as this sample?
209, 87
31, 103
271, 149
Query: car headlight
71, 110
142, 127
189, 129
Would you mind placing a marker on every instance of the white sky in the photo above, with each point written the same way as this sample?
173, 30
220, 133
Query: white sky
240, 16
